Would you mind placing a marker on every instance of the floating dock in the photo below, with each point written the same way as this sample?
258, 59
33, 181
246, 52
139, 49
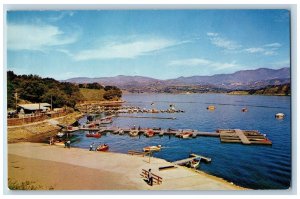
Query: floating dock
246, 137
243, 136
192, 156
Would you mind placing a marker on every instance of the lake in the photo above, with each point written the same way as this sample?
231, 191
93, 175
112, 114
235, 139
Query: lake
251, 166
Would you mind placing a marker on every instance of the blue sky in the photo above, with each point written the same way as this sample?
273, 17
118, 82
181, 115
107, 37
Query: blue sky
156, 43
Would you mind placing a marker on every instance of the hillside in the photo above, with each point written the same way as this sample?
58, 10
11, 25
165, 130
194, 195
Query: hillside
279, 90
92, 94
243, 80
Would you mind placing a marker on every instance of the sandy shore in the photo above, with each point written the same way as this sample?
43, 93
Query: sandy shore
54, 167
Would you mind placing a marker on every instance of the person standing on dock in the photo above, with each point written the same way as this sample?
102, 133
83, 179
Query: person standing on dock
150, 177
91, 146
69, 144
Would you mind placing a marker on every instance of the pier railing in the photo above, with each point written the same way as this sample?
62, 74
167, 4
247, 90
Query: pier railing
156, 179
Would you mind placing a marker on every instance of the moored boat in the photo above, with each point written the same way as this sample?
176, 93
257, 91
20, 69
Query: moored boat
121, 132
244, 110
194, 163
102, 147
149, 133
211, 107
152, 148
185, 135
279, 115
95, 135
60, 134
133, 133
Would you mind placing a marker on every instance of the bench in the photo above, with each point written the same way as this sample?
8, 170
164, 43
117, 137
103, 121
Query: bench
156, 179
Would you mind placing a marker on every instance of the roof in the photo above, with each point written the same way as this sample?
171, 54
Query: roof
36, 106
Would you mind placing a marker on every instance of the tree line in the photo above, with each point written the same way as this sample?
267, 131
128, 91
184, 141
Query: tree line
35, 89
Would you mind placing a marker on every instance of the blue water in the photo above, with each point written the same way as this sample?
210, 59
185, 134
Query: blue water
251, 166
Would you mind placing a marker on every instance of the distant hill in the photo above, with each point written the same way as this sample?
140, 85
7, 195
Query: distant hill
284, 89
244, 79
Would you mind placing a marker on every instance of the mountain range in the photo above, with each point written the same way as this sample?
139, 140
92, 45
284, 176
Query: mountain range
244, 79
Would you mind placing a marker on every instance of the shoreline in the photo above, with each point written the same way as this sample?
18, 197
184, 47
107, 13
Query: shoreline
116, 171
39, 131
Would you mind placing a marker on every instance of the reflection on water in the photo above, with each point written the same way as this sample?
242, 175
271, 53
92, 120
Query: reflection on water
254, 166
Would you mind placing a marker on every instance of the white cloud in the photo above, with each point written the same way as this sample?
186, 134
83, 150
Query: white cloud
222, 42
254, 50
126, 50
34, 37
203, 63
273, 45
213, 34
267, 49
61, 16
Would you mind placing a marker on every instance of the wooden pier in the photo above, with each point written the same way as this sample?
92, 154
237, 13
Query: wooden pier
192, 157
246, 137
243, 136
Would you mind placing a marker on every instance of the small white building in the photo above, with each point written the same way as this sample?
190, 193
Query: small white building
33, 108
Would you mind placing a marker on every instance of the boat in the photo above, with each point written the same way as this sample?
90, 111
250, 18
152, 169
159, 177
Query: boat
194, 163
121, 132
149, 133
185, 134
244, 110
152, 148
211, 107
106, 121
102, 147
95, 135
133, 133
279, 115
72, 129
60, 134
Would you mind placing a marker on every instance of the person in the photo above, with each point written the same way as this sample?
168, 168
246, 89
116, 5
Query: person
69, 143
91, 146
65, 143
150, 177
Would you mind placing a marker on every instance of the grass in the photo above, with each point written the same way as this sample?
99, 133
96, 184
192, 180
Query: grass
27, 185
92, 94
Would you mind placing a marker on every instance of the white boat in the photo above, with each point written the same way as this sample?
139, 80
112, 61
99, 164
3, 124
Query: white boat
60, 134
194, 163
134, 133
279, 115
121, 132
152, 148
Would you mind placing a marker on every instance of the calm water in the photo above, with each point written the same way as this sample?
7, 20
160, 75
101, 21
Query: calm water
256, 167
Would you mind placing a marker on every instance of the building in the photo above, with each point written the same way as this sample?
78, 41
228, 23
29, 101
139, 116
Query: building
33, 108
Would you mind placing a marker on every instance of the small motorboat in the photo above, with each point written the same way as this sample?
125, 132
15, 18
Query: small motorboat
279, 115
102, 147
71, 129
60, 134
134, 133
152, 148
185, 135
211, 107
244, 110
106, 121
194, 163
149, 133
94, 135
121, 132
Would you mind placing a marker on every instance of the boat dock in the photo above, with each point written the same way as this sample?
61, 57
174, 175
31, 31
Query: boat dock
246, 137
243, 136
192, 156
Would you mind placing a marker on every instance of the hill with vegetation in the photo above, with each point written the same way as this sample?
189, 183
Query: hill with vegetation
280, 90
34, 89
243, 80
